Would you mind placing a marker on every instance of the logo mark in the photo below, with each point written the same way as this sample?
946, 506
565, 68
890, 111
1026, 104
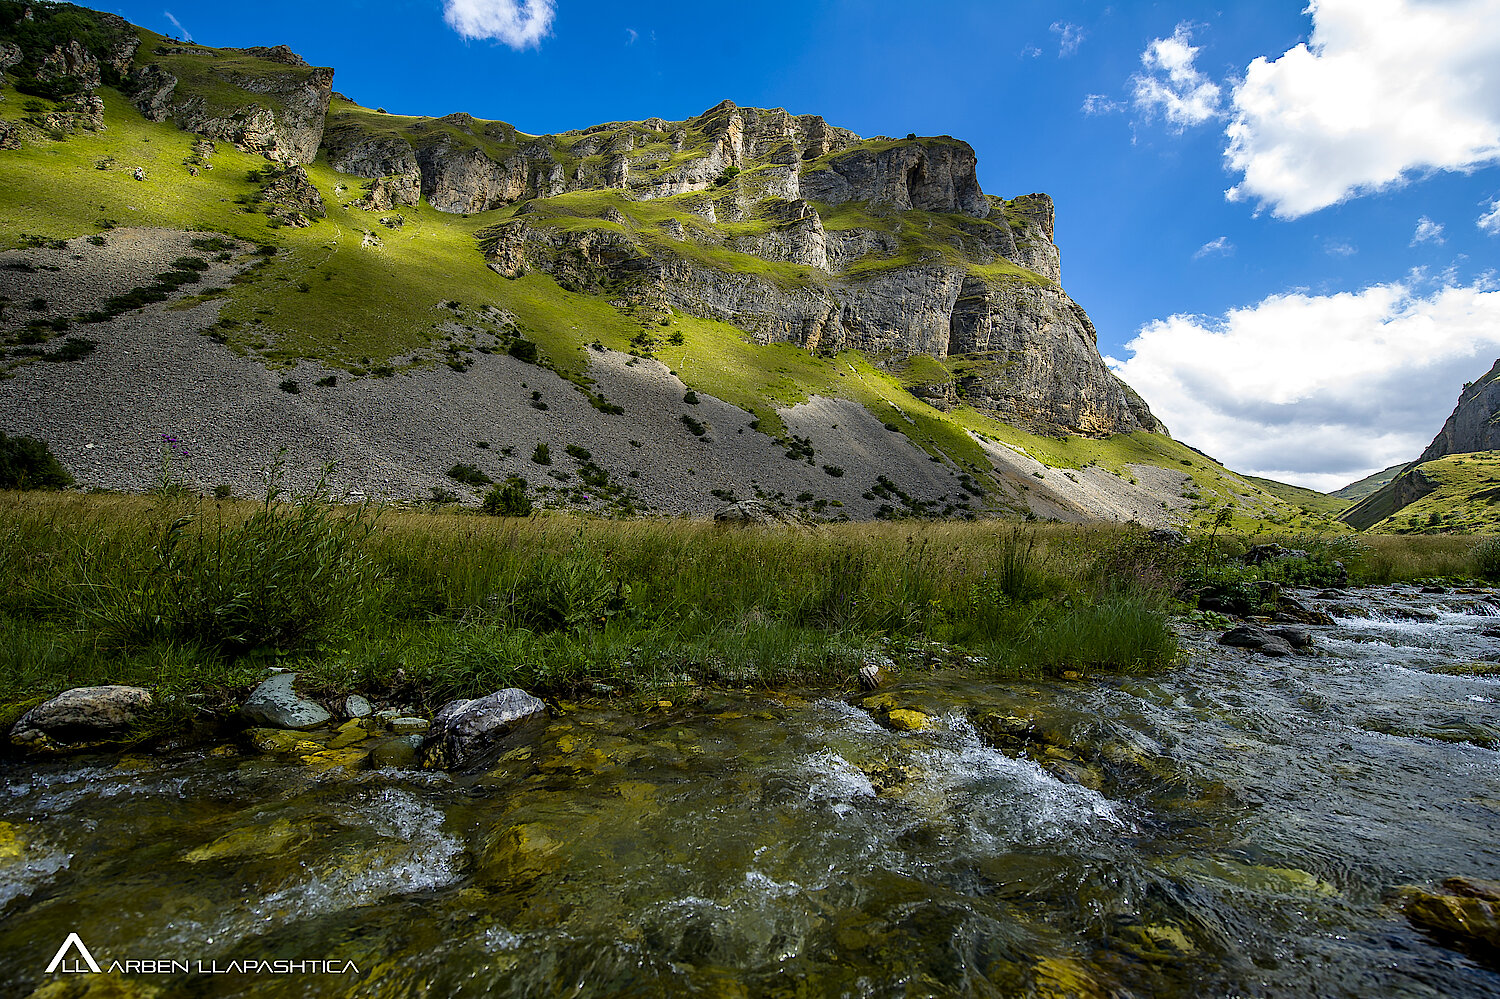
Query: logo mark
75, 968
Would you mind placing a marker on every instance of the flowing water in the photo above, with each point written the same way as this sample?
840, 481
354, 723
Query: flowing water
1233, 827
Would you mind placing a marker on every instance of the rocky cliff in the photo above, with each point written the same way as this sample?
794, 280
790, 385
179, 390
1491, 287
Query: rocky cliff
264, 100
782, 225
1475, 422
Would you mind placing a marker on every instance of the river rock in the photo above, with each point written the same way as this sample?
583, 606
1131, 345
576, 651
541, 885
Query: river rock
875, 671
1465, 910
1297, 638
81, 718
276, 704
1249, 636
1294, 611
399, 753
463, 731
907, 720
356, 706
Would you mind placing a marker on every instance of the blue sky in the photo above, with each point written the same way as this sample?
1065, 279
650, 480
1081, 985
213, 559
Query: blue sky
1316, 326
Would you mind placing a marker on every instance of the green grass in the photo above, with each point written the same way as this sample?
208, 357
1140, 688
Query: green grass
1466, 501
1310, 500
216, 75
102, 586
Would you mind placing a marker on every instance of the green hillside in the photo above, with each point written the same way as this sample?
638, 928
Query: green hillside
1459, 493
1356, 491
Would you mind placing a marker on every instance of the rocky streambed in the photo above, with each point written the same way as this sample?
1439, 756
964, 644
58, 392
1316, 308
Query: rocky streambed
1245, 824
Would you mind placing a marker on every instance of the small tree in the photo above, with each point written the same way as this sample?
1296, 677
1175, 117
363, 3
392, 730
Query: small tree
541, 456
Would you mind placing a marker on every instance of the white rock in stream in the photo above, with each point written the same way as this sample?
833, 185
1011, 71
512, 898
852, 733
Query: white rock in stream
462, 731
276, 704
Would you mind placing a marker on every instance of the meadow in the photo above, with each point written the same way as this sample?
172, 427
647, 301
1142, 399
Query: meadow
195, 597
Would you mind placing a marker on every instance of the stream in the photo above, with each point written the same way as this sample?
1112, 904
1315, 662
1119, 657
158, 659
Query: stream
1235, 826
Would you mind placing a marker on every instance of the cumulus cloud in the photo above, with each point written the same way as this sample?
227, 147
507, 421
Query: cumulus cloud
1490, 221
518, 23
1171, 85
1427, 231
1069, 37
1319, 390
1220, 247
1385, 90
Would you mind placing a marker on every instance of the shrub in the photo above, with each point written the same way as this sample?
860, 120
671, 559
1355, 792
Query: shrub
508, 500
541, 456
74, 348
223, 491
1486, 558
328, 382
577, 452
523, 349
691, 398
834, 470
469, 475
694, 427
291, 385
27, 463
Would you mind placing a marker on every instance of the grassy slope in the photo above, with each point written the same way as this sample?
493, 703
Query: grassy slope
326, 296
1467, 498
1356, 491
1325, 504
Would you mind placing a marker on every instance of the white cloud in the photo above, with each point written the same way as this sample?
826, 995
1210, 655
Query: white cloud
1094, 104
518, 23
1490, 221
1220, 247
1339, 248
1427, 231
1318, 389
1069, 37
178, 25
1171, 85
1031, 52
1385, 90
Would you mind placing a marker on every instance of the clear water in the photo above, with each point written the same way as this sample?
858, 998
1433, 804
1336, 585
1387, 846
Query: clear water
1233, 827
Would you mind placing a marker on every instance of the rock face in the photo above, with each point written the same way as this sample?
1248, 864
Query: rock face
464, 731
79, 719
276, 704
1475, 423
274, 107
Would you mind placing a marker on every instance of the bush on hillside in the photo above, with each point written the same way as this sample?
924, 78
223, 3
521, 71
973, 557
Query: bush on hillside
27, 463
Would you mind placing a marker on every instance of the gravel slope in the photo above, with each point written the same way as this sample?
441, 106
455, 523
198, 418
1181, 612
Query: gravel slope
154, 373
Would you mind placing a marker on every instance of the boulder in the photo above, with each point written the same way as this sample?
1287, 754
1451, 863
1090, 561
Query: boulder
750, 513
276, 704
1248, 636
1466, 911
1297, 638
1293, 611
81, 718
1167, 537
356, 706
875, 671
465, 731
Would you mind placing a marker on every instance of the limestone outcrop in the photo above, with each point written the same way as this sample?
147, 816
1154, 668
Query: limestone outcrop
1475, 422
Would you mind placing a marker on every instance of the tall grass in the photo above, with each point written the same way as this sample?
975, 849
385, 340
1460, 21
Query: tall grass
429, 603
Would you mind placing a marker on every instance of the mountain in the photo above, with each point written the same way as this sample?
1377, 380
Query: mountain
214, 245
1455, 483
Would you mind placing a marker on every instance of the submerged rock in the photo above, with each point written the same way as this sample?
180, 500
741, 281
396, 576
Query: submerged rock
81, 718
463, 731
276, 704
1467, 910
400, 753
906, 720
